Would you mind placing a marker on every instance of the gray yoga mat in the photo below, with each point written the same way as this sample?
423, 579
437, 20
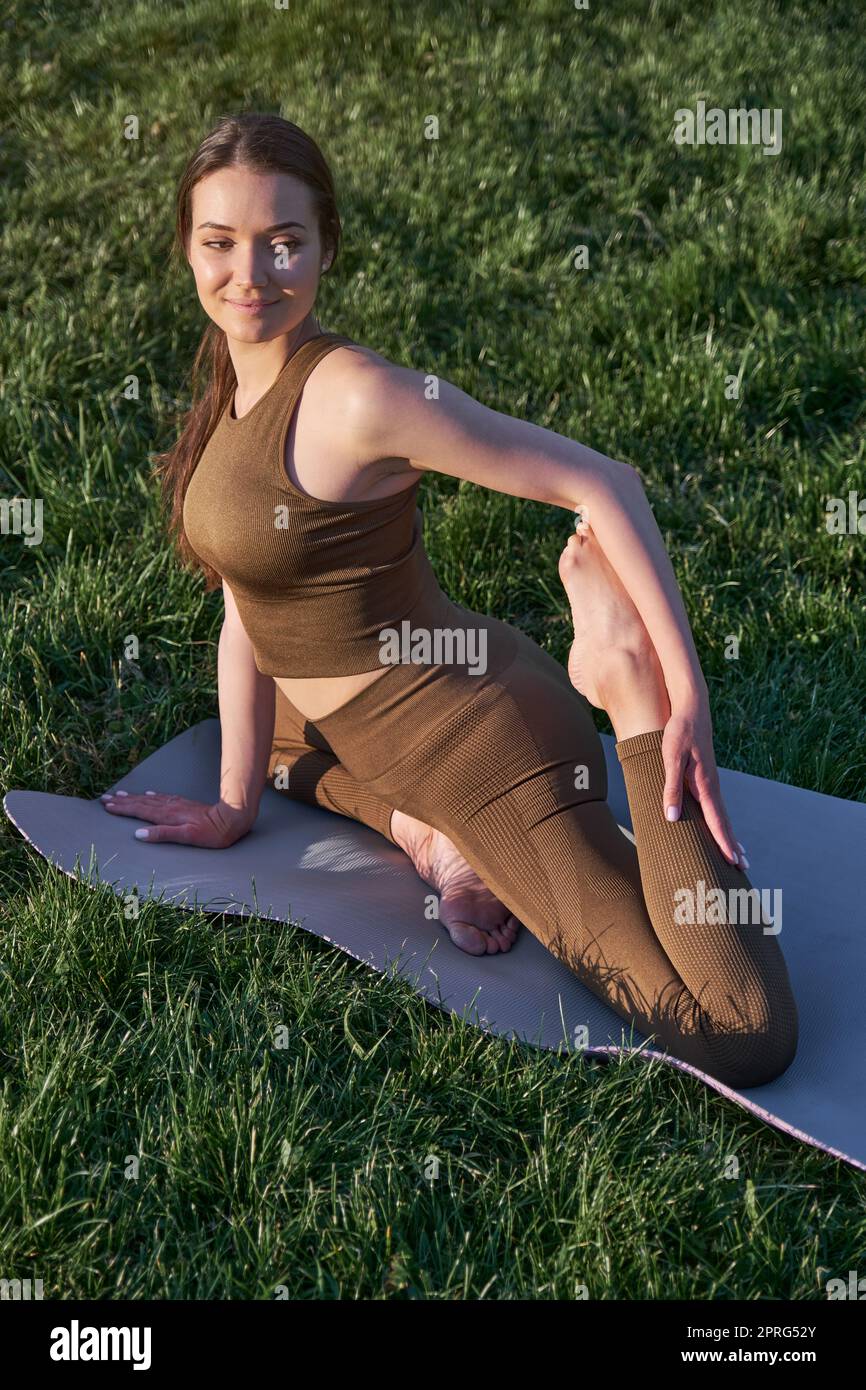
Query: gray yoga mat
353, 888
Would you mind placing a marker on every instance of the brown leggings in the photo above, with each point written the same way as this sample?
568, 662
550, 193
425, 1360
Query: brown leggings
509, 765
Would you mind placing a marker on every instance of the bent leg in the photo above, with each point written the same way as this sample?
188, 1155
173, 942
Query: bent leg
516, 777
733, 968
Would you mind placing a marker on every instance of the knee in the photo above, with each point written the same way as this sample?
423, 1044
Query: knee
761, 1053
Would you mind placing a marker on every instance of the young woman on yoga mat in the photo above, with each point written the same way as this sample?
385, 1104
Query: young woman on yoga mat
349, 679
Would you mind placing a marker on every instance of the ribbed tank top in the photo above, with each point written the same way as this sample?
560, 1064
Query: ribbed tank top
316, 582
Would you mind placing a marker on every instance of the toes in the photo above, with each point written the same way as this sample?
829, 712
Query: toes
506, 934
468, 938
482, 936
479, 941
570, 553
503, 935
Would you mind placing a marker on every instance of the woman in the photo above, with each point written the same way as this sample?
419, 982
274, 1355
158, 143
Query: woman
348, 678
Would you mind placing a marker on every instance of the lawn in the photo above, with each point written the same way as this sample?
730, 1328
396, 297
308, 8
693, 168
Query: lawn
155, 1142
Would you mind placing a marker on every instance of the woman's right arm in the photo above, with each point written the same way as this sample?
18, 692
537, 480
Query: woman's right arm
247, 709
246, 706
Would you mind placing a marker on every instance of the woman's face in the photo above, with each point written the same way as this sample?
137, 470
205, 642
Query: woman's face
255, 240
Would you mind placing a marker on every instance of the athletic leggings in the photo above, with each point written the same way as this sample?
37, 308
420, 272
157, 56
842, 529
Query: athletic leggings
509, 765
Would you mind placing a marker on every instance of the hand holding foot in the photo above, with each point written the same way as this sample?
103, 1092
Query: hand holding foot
613, 663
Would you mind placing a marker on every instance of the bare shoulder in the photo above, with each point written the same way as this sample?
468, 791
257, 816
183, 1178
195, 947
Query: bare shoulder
351, 389
420, 418
356, 372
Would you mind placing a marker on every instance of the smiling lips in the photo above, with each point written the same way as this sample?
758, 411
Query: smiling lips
251, 306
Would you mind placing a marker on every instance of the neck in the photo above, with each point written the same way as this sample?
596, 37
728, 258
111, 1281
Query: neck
257, 365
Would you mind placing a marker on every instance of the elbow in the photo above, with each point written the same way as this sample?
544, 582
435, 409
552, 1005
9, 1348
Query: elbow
626, 476
615, 481
626, 485
615, 486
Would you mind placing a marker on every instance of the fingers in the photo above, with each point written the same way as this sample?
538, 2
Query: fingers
152, 806
692, 781
176, 834
675, 760
173, 818
709, 796
167, 812
122, 798
707, 792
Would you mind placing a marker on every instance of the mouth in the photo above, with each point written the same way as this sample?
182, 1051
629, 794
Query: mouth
251, 306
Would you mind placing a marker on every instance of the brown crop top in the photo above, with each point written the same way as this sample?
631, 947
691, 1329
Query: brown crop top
315, 581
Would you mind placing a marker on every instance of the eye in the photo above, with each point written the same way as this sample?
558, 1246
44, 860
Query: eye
286, 242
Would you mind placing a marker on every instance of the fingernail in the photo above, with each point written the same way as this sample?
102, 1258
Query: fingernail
121, 793
142, 834
672, 813
106, 796
150, 793
744, 863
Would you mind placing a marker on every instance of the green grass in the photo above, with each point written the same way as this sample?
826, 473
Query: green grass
304, 1165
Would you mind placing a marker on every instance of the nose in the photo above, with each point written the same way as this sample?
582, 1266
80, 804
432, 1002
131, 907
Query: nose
251, 266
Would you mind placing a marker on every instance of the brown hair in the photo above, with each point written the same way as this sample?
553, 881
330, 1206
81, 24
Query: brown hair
266, 144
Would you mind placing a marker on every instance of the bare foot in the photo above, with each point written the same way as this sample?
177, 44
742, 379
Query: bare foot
612, 661
476, 920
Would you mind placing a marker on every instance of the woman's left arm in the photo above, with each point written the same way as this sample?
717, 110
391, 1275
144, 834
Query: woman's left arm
397, 412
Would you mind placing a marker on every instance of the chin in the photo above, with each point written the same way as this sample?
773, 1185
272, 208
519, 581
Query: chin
251, 331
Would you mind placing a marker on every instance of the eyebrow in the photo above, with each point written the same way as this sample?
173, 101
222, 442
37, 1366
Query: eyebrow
277, 227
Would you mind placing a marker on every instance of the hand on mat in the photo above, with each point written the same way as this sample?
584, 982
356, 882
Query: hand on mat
687, 749
180, 820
